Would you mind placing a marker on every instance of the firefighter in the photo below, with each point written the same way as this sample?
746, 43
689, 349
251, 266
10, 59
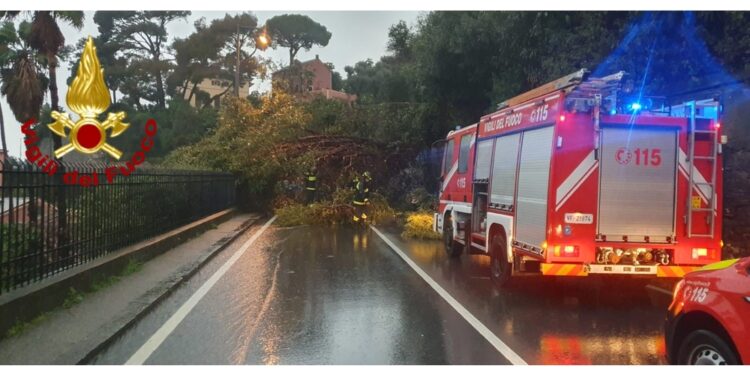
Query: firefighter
361, 198
311, 185
358, 202
366, 179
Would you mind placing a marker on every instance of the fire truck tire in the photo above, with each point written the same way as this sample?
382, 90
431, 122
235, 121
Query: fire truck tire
704, 347
500, 269
452, 247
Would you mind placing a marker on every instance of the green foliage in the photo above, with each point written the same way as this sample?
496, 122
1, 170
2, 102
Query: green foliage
296, 31
21, 70
459, 65
211, 52
387, 123
337, 210
104, 283
178, 125
132, 267
399, 39
19, 241
74, 297
419, 225
20, 327
139, 37
246, 143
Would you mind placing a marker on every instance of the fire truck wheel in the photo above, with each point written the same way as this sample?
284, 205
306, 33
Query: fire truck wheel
452, 247
500, 268
704, 347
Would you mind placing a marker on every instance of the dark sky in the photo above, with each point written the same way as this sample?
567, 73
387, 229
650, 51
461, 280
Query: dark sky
357, 35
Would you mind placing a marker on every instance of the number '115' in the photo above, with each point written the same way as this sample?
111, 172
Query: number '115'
647, 156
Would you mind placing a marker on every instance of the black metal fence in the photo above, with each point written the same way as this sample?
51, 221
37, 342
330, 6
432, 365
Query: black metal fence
48, 226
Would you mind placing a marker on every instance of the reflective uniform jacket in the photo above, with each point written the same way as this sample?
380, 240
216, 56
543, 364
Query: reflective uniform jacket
311, 182
360, 195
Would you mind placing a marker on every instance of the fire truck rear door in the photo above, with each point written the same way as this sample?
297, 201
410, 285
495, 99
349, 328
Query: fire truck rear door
637, 183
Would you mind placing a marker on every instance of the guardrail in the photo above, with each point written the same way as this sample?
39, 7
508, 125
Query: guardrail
48, 226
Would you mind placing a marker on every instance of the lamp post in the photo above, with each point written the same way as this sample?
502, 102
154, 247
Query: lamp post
262, 39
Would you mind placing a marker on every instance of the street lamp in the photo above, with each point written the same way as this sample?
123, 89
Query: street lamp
262, 40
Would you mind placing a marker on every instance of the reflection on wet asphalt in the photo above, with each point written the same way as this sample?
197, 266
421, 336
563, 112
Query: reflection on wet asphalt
553, 320
319, 295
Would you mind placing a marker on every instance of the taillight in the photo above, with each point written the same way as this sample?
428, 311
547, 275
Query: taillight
703, 253
566, 251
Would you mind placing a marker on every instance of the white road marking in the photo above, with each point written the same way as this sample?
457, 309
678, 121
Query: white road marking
153, 343
499, 345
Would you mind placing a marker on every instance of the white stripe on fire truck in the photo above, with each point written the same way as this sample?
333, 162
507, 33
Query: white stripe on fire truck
575, 180
455, 203
450, 175
703, 190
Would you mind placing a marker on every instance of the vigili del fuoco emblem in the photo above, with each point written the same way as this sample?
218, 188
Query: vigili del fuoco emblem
88, 96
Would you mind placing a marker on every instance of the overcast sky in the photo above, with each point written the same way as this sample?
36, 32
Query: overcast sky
357, 35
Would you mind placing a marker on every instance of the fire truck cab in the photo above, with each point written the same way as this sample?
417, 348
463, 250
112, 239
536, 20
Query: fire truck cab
573, 178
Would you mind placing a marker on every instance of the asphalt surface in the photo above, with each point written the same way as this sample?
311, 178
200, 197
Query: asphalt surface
320, 295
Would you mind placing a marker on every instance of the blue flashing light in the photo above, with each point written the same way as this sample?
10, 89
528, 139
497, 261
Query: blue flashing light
613, 111
635, 106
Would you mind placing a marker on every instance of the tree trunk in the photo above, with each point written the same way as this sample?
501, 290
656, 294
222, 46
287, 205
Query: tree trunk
237, 46
54, 99
192, 93
62, 212
160, 96
2, 131
211, 100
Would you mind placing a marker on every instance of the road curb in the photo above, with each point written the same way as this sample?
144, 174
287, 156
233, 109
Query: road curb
28, 302
152, 298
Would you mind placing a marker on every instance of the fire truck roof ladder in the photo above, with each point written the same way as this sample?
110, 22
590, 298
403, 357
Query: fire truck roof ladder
697, 185
558, 84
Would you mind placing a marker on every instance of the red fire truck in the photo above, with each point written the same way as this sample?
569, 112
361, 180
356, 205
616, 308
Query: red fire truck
570, 180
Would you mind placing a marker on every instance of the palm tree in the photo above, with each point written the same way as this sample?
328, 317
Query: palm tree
22, 83
47, 38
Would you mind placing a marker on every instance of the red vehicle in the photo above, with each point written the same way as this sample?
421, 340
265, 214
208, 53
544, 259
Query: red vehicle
709, 319
569, 179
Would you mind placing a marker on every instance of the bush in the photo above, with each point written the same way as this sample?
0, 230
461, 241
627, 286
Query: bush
338, 210
419, 225
21, 253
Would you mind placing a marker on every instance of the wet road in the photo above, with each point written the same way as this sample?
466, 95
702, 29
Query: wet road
310, 295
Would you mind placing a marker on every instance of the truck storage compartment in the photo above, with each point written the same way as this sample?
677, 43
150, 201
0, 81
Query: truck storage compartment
637, 184
533, 180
